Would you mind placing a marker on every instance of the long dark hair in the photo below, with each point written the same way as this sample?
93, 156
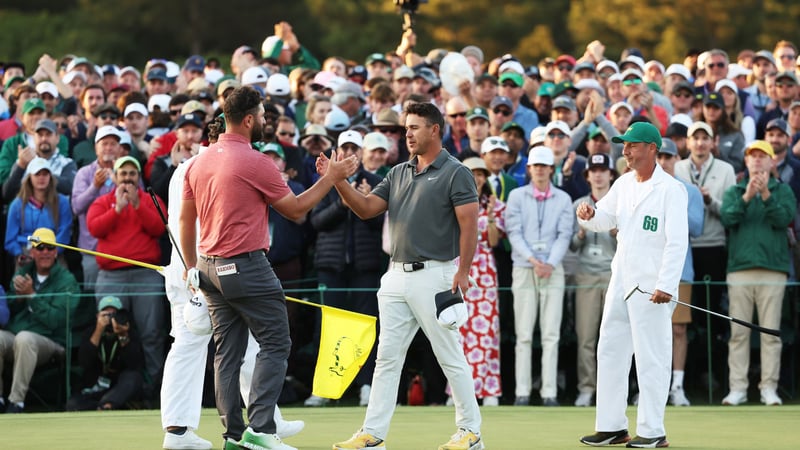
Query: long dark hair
51, 196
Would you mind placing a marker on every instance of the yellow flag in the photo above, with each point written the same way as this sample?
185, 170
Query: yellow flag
345, 343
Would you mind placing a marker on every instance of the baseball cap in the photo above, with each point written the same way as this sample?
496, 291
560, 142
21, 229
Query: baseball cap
32, 104
653, 63
78, 62
567, 59
69, 76
501, 100
278, 84
346, 90
316, 130
640, 132
563, 87
193, 106
429, 76
590, 83
779, 124
606, 63
676, 129
486, 77
668, 147
130, 69
618, 105
735, 70
125, 160
585, 65
351, 137
376, 57
268, 46
512, 125
158, 100
37, 164
600, 160
477, 112
726, 83
337, 119
514, 77
46, 124
109, 301
254, 75
105, 108
678, 69
788, 74
358, 72
698, 126
403, 72
195, 63
546, 89
375, 140
45, 235
714, 98
105, 131
764, 54
189, 119
540, 155
274, 147
451, 312
474, 51
512, 65
764, 146
537, 136
224, 85
564, 101
47, 87
136, 108
475, 163
638, 61
157, 74
683, 85
494, 143
682, 118
197, 85
631, 72
559, 125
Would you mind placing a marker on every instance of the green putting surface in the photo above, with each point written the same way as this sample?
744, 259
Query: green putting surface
504, 427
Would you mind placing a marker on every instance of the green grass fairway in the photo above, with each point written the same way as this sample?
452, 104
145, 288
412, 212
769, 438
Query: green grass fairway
504, 428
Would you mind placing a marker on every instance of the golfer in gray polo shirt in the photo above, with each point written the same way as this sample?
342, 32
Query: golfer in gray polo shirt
433, 211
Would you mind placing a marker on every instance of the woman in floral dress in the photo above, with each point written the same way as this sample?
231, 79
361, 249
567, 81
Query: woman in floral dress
481, 333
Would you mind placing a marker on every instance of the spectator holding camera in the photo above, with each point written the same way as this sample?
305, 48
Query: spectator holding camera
112, 360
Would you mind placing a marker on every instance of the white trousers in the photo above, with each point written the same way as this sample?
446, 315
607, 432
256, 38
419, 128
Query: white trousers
642, 328
406, 303
542, 297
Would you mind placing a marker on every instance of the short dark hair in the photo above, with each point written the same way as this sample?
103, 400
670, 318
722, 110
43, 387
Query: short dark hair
429, 112
242, 101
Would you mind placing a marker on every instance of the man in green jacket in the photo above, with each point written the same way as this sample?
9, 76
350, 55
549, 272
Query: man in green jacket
20, 147
284, 47
756, 212
37, 331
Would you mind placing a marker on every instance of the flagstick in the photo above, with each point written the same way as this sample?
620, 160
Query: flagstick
37, 240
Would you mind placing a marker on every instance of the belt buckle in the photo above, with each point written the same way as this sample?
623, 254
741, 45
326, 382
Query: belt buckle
413, 266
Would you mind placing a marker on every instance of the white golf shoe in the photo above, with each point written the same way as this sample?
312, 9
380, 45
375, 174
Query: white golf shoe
770, 398
316, 401
363, 395
584, 399
735, 398
678, 397
186, 441
287, 428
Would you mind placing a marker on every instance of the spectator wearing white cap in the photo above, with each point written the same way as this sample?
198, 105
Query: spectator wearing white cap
348, 254
402, 78
539, 221
568, 166
134, 119
375, 153
92, 181
284, 48
495, 152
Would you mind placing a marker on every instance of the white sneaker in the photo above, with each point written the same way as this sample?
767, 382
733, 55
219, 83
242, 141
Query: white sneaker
491, 401
254, 440
316, 401
363, 395
678, 397
735, 398
770, 398
584, 399
287, 428
186, 441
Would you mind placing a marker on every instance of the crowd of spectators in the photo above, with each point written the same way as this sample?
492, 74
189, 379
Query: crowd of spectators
81, 141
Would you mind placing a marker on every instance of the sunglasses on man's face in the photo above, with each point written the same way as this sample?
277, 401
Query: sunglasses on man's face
502, 111
781, 84
718, 65
174, 112
107, 116
45, 247
286, 133
458, 114
632, 82
565, 67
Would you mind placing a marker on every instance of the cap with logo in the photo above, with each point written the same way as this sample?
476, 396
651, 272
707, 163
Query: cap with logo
494, 143
106, 131
127, 160
559, 125
189, 119
700, 126
780, 124
714, 99
375, 141
477, 113
351, 137
109, 301
32, 104
274, 147
37, 165
501, 100
640, 132
598, 160
136, 108
514, 77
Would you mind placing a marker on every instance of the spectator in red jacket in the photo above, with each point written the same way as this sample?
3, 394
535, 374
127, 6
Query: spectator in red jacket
126, 223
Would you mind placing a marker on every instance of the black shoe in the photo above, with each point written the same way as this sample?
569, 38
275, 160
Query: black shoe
643, 442
602, 438
14, 408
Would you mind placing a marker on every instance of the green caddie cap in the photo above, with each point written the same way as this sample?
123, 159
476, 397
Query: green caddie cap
640, 132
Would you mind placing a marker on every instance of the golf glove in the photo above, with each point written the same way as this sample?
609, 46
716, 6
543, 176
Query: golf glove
193, 279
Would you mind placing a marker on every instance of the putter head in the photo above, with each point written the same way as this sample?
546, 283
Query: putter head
631, 291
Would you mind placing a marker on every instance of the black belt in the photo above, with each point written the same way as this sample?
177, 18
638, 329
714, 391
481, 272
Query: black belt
251, 254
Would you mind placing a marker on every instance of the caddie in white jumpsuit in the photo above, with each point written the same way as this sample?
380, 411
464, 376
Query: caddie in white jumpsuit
649, 208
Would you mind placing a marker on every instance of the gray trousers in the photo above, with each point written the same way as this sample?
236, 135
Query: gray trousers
244, 294
142, 294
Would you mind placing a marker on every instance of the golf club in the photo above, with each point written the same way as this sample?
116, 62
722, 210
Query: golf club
159, 269
732, 319
164, 219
